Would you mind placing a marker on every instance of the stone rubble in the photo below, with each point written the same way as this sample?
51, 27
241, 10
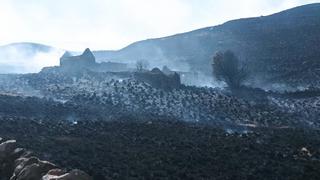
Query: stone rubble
19, 164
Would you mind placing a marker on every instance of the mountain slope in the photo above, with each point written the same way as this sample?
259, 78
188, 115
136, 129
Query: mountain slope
283, 47
27, 57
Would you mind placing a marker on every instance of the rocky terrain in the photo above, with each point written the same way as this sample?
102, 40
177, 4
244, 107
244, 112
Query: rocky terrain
119, 127
168, 149
20, 164
96, 96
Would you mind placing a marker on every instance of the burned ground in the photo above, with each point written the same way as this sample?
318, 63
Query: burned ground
163, 149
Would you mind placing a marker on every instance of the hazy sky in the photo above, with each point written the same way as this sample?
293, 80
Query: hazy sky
113, 24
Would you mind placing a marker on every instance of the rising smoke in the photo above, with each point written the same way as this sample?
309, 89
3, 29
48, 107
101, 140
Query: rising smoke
27, 58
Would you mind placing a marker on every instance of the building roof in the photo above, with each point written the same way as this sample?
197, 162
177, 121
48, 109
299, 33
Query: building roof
66, 54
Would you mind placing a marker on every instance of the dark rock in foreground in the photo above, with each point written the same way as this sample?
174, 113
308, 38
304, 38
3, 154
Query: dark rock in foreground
19, 164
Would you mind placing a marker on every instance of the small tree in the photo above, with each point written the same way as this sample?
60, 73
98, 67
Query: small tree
226, 68
141, 65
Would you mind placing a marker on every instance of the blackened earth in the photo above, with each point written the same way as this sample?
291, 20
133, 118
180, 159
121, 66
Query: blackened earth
168, 149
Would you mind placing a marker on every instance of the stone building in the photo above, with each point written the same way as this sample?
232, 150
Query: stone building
85, 60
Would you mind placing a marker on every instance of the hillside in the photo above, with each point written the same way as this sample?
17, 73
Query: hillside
121, 127
27, 57
283, 47
279, 49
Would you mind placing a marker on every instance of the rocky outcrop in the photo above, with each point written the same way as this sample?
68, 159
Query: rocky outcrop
19, 164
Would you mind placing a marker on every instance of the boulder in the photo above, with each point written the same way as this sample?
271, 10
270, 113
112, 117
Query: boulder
28, 168
56, 172
7, 157
30, 172
19, 164
6, 148
72, 175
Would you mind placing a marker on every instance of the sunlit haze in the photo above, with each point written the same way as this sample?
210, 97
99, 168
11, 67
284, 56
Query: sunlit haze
113, 24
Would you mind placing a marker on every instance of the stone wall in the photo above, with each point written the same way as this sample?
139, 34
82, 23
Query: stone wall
158, 79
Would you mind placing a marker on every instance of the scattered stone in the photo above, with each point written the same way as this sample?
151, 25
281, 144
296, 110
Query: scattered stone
305, 152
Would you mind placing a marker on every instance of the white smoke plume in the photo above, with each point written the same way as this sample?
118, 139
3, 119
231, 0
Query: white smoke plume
27, 59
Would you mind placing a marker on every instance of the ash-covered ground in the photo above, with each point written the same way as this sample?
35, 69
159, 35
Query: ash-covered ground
161, 149
115, 126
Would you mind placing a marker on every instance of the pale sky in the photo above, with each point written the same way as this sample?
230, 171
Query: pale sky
113, 24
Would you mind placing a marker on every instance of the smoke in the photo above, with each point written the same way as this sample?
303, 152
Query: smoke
93, 24
156, 57
281, 87
27, 58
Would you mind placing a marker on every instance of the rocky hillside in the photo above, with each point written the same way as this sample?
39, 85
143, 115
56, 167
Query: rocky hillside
282, 47
99, 96
119, 127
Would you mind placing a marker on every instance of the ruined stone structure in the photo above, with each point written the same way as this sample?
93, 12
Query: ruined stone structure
111, 67
74, 65
85, 60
